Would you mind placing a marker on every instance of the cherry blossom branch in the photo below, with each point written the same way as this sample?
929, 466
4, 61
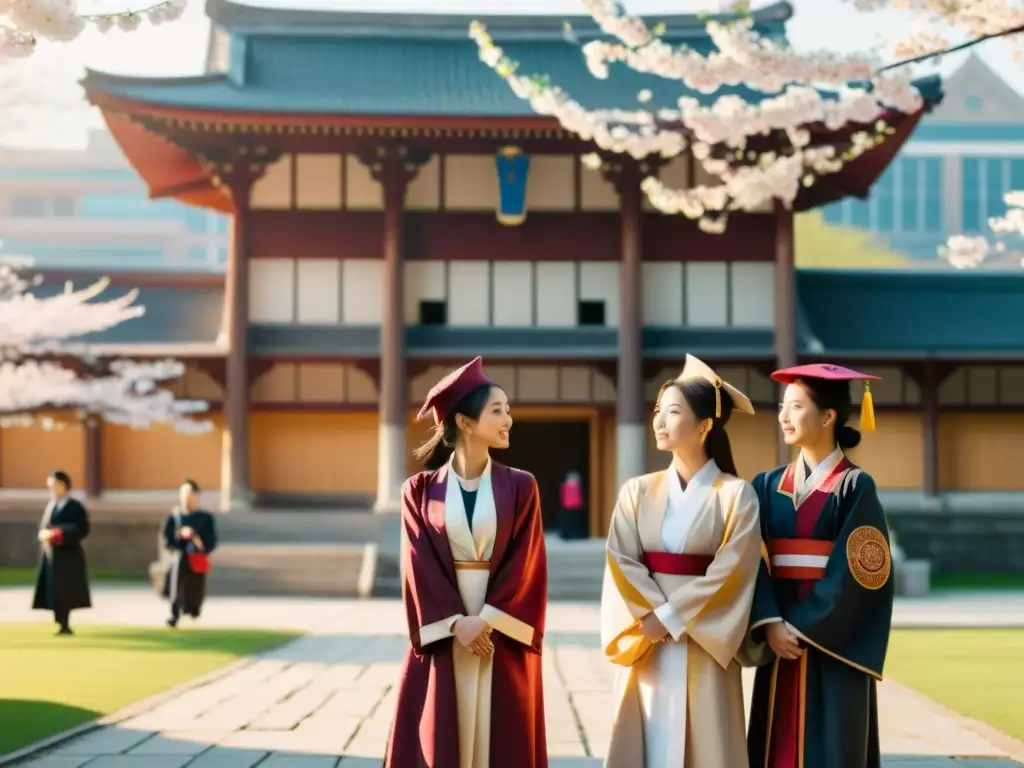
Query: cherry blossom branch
730, 121
34, 327
28, 20
954, 49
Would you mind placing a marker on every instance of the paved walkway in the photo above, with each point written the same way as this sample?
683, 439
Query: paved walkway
327, 699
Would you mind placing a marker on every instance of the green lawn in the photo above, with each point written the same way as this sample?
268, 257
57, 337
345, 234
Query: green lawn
976, 672
26, 577
48, 683
976, 581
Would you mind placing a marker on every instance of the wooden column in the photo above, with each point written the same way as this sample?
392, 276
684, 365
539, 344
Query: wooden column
92, 436
235, 171
393, 166
626, 175
785, 301
929, 384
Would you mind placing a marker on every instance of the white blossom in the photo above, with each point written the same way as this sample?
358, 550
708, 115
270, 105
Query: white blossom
965, 252
795, 90
23, 22
36, 332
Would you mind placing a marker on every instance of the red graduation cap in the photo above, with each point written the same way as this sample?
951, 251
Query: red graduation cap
830, 372
449, 391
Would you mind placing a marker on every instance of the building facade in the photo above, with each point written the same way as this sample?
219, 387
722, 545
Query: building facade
367, 261
88, 209
951, 177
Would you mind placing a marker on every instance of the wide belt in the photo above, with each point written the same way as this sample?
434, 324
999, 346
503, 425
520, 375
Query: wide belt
472, 565
673, 564
803, 559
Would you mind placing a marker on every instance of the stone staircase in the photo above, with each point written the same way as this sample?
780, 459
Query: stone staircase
272, 569
293, 552
575, 570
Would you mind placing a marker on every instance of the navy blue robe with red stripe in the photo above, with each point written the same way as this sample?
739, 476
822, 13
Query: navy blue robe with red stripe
821, 710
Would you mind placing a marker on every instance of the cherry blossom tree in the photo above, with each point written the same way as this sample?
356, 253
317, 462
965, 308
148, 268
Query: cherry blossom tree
799, 89
36, 333
24, 22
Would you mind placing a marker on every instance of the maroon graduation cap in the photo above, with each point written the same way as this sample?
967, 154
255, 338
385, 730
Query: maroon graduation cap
830, 372
449, 391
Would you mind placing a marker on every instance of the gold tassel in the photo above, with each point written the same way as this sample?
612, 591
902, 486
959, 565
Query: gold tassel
867, 410
718, 399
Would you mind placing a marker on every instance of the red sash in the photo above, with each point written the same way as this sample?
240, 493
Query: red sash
673, 564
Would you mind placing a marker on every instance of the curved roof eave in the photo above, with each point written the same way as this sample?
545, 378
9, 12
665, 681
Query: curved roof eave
241, 18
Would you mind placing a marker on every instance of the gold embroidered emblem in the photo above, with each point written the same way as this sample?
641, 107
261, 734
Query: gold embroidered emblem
867, 552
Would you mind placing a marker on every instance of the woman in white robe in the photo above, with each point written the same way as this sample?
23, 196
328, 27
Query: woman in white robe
682, 558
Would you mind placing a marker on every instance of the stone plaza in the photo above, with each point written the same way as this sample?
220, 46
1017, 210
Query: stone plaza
326, 699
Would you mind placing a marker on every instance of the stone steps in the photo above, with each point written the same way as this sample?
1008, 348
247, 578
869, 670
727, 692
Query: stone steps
575, 571
321, 570
296, 526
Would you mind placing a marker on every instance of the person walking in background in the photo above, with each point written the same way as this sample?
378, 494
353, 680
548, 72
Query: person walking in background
190, 535
824, 598
683, 552
572, 523
474, 570
62, 584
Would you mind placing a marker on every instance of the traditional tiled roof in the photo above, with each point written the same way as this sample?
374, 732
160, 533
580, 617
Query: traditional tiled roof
913, 314
178, 315
345, 63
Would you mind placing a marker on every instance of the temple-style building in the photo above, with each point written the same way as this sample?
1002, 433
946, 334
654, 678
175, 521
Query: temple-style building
360, 156
377, 241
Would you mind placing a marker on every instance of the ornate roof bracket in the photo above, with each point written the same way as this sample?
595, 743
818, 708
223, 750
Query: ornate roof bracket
394, 165
232, 168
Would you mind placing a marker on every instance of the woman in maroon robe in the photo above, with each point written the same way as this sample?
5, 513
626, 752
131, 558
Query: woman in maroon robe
475, 592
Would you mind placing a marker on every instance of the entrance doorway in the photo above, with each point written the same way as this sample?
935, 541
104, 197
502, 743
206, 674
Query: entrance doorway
550, 450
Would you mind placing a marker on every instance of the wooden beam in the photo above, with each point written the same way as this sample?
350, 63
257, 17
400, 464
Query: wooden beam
451, 236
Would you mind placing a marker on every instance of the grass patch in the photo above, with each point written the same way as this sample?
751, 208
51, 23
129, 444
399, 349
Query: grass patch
26, 577
976, 672
49, 684
978, 581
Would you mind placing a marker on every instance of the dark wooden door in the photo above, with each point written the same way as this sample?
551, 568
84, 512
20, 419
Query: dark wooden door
550, 450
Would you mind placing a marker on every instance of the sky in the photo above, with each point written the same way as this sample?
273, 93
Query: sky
38, 90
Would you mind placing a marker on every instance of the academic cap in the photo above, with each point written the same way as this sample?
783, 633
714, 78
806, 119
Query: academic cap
829, 372
449, 391
696, 369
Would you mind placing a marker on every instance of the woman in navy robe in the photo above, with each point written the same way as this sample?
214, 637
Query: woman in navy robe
470, 693
190, 535
824, 596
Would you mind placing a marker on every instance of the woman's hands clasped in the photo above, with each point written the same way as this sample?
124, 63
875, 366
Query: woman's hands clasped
783, 640
475, 634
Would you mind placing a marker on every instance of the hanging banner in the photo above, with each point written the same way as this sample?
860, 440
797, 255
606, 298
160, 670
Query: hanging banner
513, 169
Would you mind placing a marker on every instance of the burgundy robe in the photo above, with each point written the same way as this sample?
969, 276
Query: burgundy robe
425, 732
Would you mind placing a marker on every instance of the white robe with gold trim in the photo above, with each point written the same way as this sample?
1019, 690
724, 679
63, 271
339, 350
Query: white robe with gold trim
680, 704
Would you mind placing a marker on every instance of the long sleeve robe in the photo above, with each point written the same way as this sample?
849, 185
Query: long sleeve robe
455, 709
62, 582
181, 583
827, 573
680, 704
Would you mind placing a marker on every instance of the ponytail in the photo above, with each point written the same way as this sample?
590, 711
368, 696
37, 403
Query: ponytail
436, 451
719, 449
438, 448
847, 437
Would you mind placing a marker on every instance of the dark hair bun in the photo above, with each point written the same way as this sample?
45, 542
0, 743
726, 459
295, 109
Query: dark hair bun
847, 437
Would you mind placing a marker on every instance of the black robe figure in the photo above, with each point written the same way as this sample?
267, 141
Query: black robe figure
187, 533
826, 573
62, 583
